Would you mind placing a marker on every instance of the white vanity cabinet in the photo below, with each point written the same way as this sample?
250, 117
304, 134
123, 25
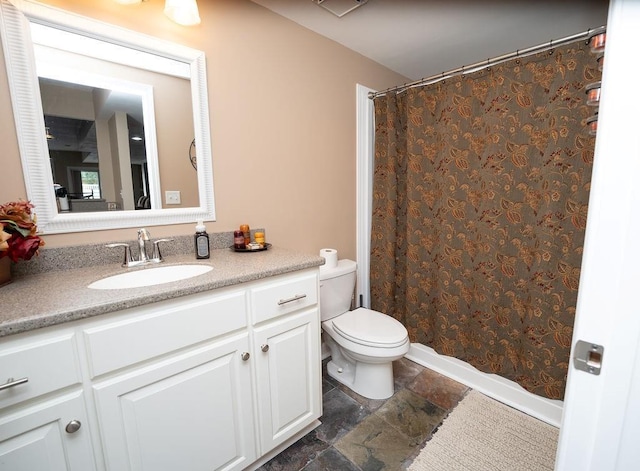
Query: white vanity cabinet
286, 337
210, 381
43, 415
191, 409
192, 412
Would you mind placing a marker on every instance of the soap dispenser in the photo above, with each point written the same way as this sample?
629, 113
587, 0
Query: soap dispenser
202, 241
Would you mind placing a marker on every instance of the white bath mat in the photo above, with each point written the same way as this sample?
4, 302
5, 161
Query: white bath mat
482, 434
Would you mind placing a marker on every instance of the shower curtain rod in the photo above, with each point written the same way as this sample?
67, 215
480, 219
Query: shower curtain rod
489, 62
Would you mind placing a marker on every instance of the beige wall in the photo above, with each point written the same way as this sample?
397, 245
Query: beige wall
283, 125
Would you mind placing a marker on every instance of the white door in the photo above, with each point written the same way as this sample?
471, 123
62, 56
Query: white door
34, 438
191, 412
289, 385
601, 420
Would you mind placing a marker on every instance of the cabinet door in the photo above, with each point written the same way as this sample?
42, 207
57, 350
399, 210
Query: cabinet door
192, 412
287, 354
34, 438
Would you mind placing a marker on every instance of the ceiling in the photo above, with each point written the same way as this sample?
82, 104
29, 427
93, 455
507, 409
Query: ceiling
79, 135
420, 38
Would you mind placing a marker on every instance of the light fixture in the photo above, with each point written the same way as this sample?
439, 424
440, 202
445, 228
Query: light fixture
136, 138
48, 135
340, 7
183, 12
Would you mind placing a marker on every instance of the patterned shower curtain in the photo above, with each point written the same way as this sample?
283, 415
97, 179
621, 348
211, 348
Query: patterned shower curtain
481, 187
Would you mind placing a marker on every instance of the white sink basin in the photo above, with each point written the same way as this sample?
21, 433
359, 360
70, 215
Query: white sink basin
150, 276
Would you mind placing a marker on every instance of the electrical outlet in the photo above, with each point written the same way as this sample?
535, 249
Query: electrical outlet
172, 197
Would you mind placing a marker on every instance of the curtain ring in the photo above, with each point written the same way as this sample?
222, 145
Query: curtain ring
488, 66
551, 47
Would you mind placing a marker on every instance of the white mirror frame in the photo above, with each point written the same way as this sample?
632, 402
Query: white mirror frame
15, 16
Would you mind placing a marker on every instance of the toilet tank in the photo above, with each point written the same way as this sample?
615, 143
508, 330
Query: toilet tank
336, 288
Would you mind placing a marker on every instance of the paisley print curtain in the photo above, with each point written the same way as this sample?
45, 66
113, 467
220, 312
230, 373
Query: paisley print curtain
481, 187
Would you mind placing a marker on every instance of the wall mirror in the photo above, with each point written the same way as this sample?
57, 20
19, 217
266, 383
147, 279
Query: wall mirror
107, 122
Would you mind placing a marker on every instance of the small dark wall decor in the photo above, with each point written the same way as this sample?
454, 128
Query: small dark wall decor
192, 155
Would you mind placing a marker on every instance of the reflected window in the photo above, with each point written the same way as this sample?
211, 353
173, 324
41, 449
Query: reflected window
90, 184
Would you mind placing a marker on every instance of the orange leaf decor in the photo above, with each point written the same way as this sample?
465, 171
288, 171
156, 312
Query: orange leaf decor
415, 115
561, 333
18, 239
457, 208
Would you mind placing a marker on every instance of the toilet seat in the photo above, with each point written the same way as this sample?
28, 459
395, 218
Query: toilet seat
371, 328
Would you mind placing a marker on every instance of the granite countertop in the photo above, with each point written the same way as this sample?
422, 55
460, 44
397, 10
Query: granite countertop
46, 299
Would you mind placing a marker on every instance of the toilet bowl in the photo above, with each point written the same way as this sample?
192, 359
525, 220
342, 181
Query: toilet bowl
363, 342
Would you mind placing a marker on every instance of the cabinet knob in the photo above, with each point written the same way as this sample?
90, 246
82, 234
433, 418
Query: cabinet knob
245, 356
264, 348
73, 426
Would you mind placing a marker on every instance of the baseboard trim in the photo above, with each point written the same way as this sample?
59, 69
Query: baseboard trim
496, 387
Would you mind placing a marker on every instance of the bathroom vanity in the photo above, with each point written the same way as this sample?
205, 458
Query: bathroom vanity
216, 372
219, 372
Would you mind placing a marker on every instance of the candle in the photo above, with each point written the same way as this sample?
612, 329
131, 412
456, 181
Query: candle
260, 238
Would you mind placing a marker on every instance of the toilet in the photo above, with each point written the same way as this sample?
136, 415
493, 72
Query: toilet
363, 342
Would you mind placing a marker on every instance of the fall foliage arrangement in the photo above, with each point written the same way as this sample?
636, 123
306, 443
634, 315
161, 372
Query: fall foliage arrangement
18, 239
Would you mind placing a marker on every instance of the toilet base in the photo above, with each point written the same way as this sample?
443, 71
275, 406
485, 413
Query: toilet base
325, 351
370, 380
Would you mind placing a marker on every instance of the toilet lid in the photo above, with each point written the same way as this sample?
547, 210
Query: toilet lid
368, 327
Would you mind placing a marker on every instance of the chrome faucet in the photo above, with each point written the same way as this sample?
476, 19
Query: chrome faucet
143, 255
143, 238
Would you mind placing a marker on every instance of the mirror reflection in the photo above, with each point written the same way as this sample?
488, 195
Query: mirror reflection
81, 124
100, 123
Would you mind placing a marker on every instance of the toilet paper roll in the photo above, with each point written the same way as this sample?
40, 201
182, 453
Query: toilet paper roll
330, 258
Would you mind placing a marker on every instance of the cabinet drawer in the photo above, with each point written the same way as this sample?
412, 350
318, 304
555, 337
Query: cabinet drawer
287, 294
48, 363
162, 328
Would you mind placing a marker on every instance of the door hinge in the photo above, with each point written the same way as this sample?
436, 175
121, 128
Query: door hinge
588, 357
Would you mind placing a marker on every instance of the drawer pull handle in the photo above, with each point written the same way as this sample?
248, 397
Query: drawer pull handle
11, 383
290, 300
245, 356
73, 426
265, 348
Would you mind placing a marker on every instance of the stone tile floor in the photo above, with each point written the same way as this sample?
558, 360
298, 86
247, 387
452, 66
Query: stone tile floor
360, 434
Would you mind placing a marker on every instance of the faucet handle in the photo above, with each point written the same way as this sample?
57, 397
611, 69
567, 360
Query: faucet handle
157, 256
143, 234
127, 252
